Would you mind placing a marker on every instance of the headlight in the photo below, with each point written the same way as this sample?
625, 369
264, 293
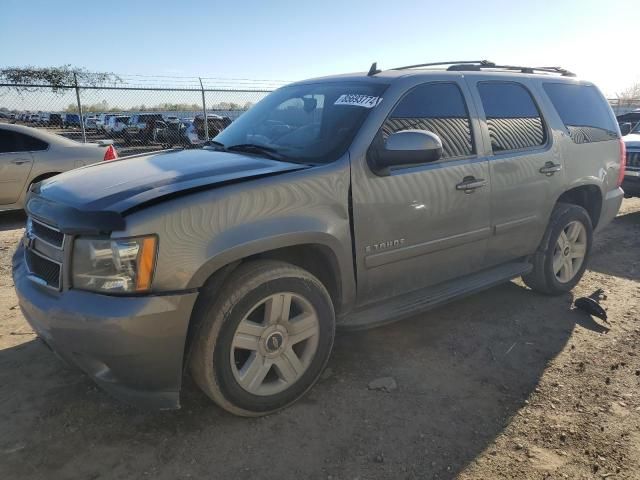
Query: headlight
123, 265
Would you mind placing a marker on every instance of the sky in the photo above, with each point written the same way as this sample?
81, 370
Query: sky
293, 40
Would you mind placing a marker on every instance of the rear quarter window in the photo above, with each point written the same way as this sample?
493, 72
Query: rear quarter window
584, 112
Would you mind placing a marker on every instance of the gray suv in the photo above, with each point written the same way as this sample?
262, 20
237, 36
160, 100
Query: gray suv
350, 201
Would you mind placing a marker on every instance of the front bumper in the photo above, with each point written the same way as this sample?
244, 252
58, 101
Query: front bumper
132, 347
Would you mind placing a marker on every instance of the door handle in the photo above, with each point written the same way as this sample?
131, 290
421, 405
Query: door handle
19, 161
470, 184
550, 168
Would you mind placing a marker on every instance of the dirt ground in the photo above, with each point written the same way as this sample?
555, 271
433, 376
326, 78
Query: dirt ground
504, 384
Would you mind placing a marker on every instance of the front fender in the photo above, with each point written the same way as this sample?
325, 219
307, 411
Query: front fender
271, 234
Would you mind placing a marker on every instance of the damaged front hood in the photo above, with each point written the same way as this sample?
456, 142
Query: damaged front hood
124, 184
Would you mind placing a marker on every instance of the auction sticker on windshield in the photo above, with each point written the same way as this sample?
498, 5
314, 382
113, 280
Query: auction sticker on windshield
366, 101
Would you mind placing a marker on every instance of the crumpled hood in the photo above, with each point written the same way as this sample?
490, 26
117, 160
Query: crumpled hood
632, 140
123, 184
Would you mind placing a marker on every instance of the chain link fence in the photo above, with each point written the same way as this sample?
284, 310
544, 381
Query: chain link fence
138, 113
621, 106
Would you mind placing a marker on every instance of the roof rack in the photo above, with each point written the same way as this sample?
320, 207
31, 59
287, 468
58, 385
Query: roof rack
477, 65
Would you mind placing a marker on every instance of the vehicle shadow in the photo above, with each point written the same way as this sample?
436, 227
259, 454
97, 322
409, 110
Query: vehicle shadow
12, 220
462, 373
621, 242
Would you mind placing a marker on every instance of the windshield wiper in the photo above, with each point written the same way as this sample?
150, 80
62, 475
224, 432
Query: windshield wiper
259, 149
214, 143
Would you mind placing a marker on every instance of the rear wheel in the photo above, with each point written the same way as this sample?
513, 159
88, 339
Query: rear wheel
264, 340
561, 259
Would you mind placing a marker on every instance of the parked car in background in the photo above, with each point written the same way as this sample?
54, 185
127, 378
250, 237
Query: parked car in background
100, 121
90, 123
632, 117
631, 184
351, 200
140, 127
216, 124
29, 155
71, 120
34, 118
56, 120
115, 125
103, 119
177, 132
169, 132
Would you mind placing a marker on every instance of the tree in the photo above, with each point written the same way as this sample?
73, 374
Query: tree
57, 78
630, 96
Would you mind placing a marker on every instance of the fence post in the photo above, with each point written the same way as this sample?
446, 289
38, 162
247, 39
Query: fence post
204, 111
84, 134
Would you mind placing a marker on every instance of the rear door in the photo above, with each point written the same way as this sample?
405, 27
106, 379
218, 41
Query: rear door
526, 169
416, 227
16, 163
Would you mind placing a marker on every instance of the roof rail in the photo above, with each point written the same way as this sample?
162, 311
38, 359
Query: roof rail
439, 64
478, 65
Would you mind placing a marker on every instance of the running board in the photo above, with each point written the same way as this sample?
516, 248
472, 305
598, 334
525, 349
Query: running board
409, 304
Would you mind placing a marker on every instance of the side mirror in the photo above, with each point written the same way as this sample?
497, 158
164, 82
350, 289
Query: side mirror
403, 149
625, 128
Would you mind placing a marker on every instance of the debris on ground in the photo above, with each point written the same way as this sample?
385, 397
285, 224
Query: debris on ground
591, 305
385, 384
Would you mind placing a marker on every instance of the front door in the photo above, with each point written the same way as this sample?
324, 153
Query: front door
419, 226
15, 166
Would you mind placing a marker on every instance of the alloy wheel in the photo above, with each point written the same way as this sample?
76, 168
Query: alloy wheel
274, 344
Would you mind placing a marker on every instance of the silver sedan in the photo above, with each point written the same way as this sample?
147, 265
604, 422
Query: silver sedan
29, 155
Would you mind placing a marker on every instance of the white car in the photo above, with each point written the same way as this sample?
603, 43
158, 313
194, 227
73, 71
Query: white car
29, 155
115, 125
102, 120
90, 123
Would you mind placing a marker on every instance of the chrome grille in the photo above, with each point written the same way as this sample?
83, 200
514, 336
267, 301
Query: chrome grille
47, 234
44, 253
43, 268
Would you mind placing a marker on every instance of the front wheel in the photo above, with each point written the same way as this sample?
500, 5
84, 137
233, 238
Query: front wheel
561, 259
264, 339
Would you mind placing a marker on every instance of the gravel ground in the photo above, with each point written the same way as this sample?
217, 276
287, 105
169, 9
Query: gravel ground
503, 384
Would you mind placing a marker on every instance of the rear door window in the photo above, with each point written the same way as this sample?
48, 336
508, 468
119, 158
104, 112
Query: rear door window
513, 118
439, 108
584, 112
12, 142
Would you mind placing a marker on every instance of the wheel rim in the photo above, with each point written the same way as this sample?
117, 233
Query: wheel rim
275, 343
570, 251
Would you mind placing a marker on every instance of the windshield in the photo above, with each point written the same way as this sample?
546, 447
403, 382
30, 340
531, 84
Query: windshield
312, 123
636, 129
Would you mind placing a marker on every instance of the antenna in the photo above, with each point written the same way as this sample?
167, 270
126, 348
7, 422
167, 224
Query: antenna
373, 70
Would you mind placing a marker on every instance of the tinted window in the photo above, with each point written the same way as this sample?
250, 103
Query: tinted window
513, 119
583, 111
17, 142
438, 108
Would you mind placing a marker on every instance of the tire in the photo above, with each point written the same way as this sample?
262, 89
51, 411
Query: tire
546, 279
224, 369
